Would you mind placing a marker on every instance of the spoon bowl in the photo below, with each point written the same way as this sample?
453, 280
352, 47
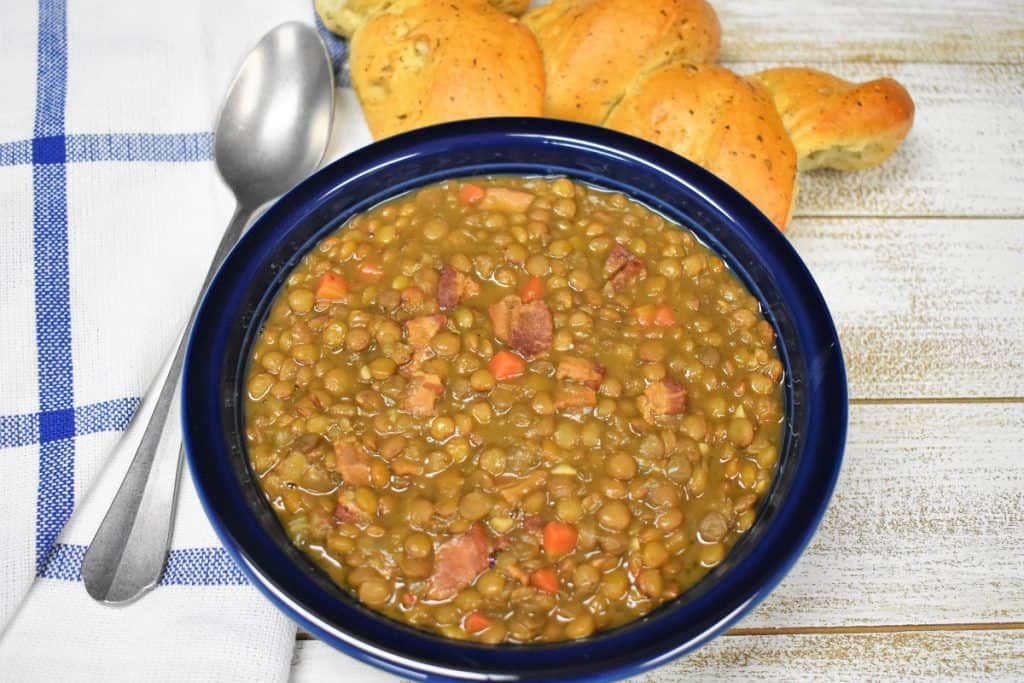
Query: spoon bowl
265, 145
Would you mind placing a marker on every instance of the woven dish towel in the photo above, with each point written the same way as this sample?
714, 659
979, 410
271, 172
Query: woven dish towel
110, 209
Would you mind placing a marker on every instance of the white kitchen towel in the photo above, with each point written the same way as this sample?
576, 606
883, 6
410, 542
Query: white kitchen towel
110, 209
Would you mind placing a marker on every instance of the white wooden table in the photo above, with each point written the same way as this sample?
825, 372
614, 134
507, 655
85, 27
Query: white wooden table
918, 567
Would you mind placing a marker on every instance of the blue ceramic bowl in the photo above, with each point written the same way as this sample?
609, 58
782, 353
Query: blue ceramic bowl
234, 308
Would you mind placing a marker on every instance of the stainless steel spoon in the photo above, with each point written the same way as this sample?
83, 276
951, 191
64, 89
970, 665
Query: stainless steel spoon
272, 132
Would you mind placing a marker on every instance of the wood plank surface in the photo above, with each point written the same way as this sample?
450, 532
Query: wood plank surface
963, 157
797, 31
924, 307
933, 656
926, 525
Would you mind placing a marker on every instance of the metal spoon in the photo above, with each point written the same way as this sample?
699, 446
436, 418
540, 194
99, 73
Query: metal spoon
272, 132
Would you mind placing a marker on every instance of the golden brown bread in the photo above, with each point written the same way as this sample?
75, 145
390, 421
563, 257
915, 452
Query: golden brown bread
593, 49
445, 60
345, 17
722, 121
515, 7
838, 124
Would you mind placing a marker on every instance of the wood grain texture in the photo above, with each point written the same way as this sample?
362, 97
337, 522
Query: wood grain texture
963, 157
872, 31
924, 307
976, 656
926, 525
933, 656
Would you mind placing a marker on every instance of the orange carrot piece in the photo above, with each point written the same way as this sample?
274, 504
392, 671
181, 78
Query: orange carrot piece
476, 622
470, 193
559, 538
664, 317
331, 287
370, 270
533, 289
506, 364
545, 579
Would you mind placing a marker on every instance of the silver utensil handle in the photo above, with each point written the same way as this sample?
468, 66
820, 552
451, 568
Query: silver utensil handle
128, 552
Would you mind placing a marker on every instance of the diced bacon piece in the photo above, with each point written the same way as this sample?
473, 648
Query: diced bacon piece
534, 524
347, 511
503, 315
453, 286
526, 328
419, 331
623, 268
506, 199
421, 394
665, 397
581, 370
617, 258
351, 463
458, 562
575, 397
630, 273
448, 293
533, 331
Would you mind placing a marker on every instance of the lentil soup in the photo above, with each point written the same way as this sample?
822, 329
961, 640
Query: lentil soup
514, 409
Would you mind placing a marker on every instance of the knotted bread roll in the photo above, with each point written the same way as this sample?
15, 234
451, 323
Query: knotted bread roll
724, 122
594, 49
345, 17
838, 124
637, 67
442, 61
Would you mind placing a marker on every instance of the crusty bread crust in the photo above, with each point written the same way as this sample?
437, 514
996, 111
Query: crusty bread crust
445, 60
838, 124
720, 120
345, 17
593, 49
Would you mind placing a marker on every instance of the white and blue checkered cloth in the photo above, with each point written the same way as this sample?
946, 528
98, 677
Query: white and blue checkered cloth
110, 209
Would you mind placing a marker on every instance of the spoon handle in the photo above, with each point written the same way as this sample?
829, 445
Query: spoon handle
128, 552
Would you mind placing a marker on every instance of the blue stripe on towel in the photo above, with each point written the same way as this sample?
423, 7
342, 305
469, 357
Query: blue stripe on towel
90, 147
56, 421
185, 566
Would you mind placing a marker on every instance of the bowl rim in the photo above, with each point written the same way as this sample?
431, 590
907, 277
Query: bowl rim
793, 524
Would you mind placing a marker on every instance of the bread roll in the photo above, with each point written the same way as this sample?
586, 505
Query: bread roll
514, 7
838, 124
445, 60
345, 17
593, 49
723, 122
